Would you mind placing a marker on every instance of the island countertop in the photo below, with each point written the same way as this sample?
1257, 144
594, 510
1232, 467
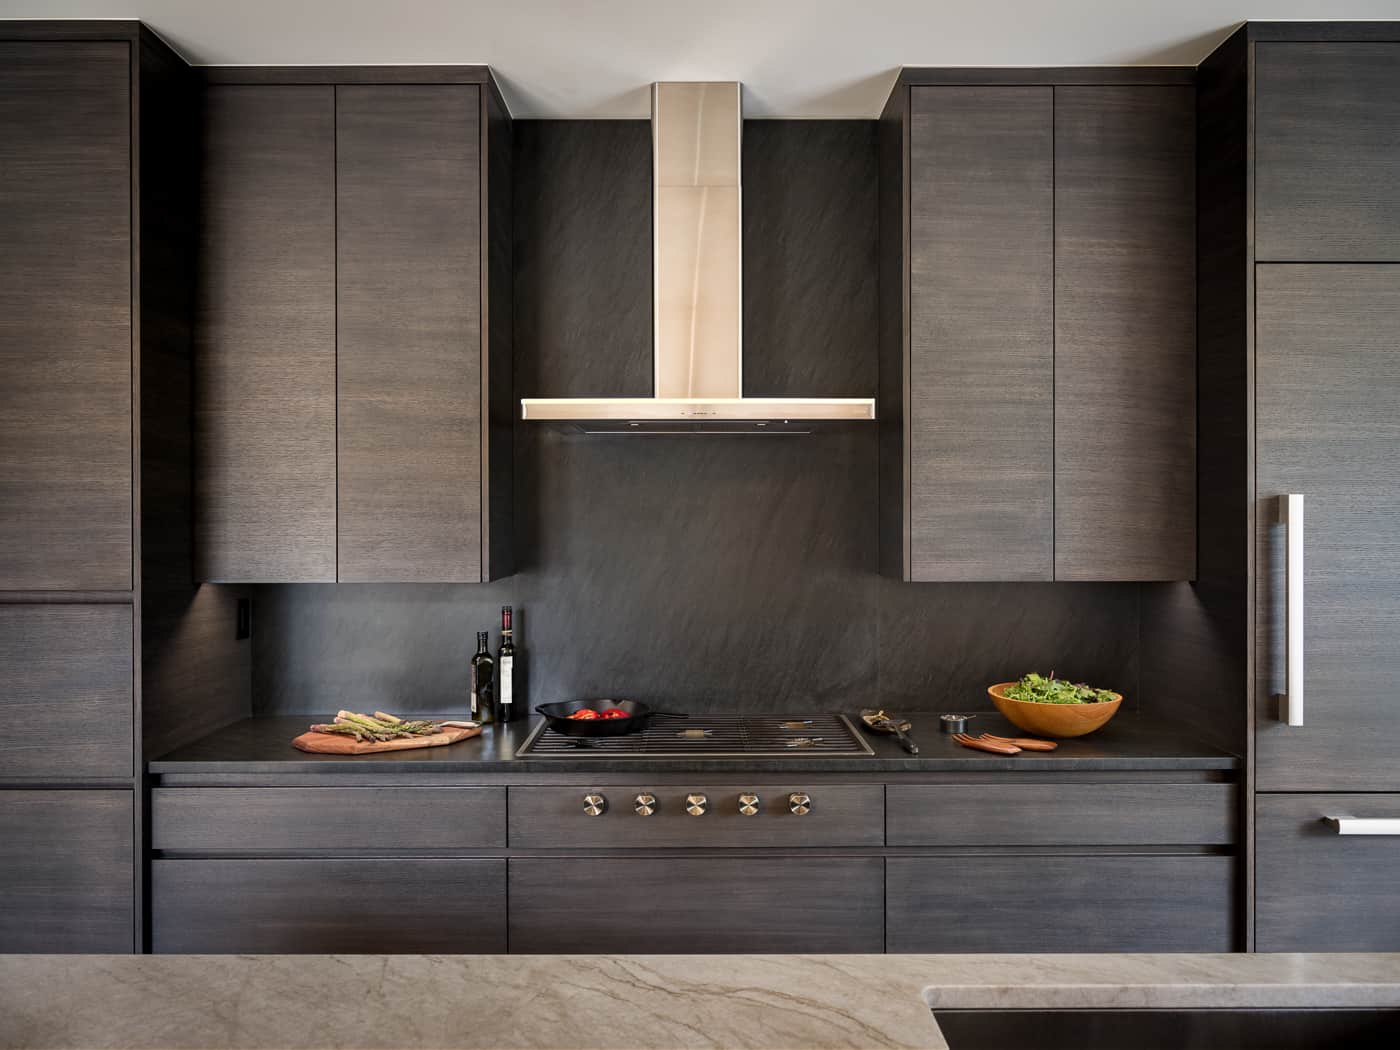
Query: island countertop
623, 1002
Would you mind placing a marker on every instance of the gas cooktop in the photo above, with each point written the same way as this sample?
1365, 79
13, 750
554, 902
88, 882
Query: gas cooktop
710, 736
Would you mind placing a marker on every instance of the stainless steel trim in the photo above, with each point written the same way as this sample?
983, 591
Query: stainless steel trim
1364, 825
526, 749
1290, 701
732, 409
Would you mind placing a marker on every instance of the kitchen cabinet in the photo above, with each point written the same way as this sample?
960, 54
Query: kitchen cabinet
1038, 379
65, 315
353, 377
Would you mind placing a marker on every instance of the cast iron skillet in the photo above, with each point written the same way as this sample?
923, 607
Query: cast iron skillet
557, 715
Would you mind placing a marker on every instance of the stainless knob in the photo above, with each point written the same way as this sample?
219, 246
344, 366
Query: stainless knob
696, 805
595, 805
645, 805
800, 802
748, 804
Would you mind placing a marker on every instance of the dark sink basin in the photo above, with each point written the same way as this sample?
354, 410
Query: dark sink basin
1301, 1029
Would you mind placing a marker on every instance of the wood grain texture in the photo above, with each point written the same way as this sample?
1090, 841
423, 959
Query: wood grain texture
205, 819
1019, 903
265, 337
1327, 374
892, 345
408, 334
65, 316
1125, 333
841, 815
328, 906
498, 251
65, 691
696, 905
1327, 185
981, 372
1317, 891
1060, 815
66, 871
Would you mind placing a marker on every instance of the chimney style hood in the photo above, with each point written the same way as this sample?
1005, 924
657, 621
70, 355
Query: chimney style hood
697, 131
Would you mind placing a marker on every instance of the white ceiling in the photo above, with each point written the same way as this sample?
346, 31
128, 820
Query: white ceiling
797, 58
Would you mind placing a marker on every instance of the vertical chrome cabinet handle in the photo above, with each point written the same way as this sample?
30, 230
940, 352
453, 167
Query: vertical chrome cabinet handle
1290, 513
1364, 825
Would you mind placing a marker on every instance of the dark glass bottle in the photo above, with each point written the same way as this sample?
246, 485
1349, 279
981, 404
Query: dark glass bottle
483, 699
505, 668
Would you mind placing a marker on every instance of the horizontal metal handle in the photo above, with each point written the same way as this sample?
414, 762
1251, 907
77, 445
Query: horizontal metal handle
1365, 825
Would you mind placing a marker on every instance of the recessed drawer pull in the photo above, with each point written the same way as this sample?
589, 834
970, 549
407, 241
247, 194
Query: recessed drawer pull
1364, 825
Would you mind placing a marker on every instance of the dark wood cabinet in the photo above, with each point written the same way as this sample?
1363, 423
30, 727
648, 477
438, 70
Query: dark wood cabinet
63, 668
981, 338
1125, 333
317, 906
265, 411
1317, 890
65, 315
1326, 122
67, 870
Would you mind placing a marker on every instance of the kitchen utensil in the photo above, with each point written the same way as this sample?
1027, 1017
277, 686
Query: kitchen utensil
339, 744
954, 723
883, 723
557, 715
986, 745
1062, 720
1025, 743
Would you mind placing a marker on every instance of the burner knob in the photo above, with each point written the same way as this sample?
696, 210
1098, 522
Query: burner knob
595, 805
748, 804
800, 802
696, 805
645, 805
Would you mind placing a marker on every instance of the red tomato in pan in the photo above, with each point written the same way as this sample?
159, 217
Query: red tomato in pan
615, 712
586, 714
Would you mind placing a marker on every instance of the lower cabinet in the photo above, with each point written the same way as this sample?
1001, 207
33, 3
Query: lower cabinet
413, 905
1317, 890
67, 871
1014, 902
623, 905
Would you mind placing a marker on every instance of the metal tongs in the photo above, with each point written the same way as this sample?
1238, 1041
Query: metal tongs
883, 723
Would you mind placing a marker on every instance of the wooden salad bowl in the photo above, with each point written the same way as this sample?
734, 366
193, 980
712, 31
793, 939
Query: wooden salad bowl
1061, 720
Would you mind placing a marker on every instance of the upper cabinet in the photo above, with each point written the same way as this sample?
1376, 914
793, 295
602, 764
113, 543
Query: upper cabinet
353, 370
1038, 327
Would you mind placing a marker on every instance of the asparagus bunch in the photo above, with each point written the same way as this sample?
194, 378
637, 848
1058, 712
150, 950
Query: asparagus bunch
379, 726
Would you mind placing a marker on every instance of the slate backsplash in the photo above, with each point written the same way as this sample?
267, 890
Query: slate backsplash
703, 572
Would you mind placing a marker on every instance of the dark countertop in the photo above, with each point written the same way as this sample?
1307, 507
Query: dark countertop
1130, 743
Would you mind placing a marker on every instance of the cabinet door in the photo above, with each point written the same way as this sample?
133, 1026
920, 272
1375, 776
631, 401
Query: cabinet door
65, 316
1125, 333
265, 336
1030, 903
981, 353
1327, 375
67, 871
1318, 891
409, 350
306, 906
1327, 178
696, 905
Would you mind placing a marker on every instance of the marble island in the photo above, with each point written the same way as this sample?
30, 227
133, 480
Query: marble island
624, 1002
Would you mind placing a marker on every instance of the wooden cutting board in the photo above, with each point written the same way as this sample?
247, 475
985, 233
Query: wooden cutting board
336, 744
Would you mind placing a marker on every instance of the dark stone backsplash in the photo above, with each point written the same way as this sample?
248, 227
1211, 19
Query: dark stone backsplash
700, 572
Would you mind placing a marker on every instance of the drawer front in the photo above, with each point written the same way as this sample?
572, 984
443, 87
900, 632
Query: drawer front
696, 905
838, 815
65, 665
1318, 891
67, 867
208, 819
1026, 903
318, 906
1061, 814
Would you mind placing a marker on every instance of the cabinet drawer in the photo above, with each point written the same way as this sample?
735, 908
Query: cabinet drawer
842, 815
1025, 903
1061, 814
327, 818
1318, 891
696, 905
65, 665
319, 906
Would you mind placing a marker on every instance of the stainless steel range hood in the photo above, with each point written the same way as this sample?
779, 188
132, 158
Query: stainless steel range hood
698, 365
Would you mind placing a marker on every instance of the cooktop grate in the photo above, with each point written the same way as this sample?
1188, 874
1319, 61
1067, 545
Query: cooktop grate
709, 736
